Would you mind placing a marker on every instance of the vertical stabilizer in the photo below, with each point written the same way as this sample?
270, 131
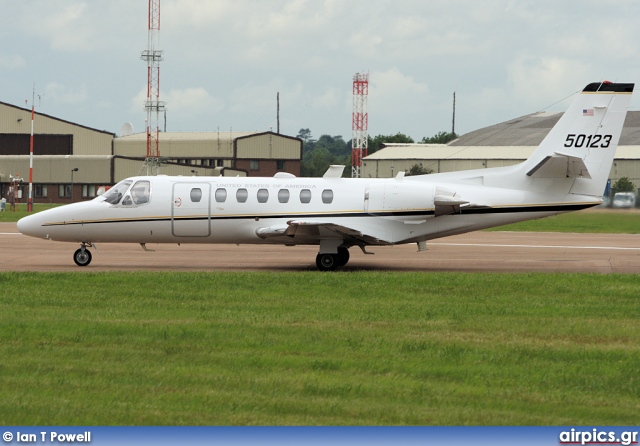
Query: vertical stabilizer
582, 145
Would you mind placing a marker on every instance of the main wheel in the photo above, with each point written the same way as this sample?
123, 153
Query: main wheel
343, 256
82, 257
327, 262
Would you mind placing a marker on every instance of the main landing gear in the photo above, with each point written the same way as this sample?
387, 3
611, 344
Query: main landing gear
82, 256
330, 262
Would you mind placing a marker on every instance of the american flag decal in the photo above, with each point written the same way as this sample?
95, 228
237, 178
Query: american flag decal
587, 112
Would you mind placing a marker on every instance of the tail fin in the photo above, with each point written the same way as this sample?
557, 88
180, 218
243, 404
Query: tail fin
582, 145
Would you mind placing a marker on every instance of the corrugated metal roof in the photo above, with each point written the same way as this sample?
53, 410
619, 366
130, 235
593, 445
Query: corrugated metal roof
57, 157
530, 130
511, 140
442, 152
189, 136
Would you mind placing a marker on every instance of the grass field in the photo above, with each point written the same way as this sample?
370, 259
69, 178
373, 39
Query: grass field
328, 349
589, 221
21, 211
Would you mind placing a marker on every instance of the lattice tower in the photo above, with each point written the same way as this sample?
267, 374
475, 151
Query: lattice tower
154, 107
359, 123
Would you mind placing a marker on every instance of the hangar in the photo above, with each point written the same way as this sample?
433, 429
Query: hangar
503, 144
72, 161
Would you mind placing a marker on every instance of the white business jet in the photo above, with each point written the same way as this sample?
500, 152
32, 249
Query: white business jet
567, 172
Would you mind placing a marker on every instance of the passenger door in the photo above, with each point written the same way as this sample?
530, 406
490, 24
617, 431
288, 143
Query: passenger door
191, 209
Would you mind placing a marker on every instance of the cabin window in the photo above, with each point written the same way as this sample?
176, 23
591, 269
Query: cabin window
305, 196
283, 195
263, 195
141, 192
327, 196
242, 195
221, 195
196, 195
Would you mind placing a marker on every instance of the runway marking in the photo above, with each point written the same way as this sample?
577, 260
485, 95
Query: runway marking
492, 245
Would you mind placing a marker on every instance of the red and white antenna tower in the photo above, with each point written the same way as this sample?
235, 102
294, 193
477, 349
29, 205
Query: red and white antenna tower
359, 123
152, 55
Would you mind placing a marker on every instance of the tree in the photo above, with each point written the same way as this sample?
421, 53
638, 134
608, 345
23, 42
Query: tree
623, 185
304, 134
334, 144
439, 138
377, 142
418, 169
318, 155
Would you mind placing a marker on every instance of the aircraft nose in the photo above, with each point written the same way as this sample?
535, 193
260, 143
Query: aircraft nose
31, 226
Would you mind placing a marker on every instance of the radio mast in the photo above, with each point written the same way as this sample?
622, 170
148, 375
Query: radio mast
154, 107
359, 123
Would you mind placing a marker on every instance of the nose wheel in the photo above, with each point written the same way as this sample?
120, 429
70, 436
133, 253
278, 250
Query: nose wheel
82, 256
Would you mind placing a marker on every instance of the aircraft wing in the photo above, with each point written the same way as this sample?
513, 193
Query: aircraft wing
306, 231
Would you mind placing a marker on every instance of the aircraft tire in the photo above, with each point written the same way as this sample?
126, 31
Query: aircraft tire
343, 256
327, 262
82, 258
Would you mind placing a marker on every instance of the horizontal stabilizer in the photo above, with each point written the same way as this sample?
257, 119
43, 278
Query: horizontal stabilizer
560, 165
447, 202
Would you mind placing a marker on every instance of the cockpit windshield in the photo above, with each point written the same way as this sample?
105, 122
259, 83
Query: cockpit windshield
126, 195
114, 195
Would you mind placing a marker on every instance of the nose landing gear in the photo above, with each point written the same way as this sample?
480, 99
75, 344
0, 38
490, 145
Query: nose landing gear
82, 256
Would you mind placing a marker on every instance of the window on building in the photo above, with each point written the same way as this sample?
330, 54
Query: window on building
263, 195
305, 196
280, 165
40, 190
327, 196
254, 165
64, 190
220, 163
283, 195
88, 190
221, 195
242, 195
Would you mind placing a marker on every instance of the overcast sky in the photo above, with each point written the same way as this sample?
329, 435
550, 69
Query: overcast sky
225, 60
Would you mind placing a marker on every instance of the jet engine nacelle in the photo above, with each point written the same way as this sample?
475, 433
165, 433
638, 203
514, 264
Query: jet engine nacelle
406, 201
411, 202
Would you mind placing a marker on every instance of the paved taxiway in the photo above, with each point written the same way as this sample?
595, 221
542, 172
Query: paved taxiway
473, 252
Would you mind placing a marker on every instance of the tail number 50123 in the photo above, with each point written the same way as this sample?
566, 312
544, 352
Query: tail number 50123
592, 141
